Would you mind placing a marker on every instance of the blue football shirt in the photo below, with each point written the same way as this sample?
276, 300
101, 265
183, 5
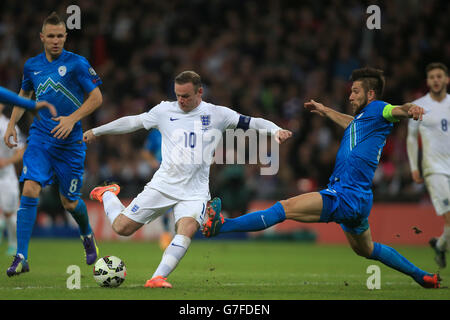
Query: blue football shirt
154, 143
62, 82
361, 147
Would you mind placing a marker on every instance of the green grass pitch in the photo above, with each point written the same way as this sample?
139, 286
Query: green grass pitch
221, 270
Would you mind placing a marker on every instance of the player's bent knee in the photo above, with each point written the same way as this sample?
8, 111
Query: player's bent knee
123, 227
69, 205
31, 189
362, 252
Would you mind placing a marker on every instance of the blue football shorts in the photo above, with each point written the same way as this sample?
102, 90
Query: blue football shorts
44, 163
346, 207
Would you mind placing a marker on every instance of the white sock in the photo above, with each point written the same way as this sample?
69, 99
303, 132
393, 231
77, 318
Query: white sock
172, 255
11, 230
444, 240
112, 205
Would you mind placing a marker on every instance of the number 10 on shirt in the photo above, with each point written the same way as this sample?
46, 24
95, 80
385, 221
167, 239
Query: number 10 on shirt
190, 139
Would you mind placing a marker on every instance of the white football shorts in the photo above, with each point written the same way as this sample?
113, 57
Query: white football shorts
151, 203
9, 195
438, 186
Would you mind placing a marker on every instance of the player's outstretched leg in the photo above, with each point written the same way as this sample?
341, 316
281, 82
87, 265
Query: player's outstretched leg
254, 221
395, 260
214, 218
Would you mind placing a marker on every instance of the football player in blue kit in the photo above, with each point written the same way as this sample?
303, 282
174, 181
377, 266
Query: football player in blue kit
348, 198
55, 149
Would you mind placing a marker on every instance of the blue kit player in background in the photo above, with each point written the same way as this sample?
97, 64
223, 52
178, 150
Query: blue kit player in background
348, 198
152, 154
55, 149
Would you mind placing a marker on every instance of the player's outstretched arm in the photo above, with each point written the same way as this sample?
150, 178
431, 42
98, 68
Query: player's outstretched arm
16, 115
341, 119
44, 104
408, 110
281, 135
120, 126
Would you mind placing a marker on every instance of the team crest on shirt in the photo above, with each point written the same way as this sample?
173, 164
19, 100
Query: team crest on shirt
62, 70
206, 121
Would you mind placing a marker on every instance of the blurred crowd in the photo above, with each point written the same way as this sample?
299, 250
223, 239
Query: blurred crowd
261, 58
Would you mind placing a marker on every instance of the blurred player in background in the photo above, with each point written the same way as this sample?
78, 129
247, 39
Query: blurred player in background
348, 198
152, 154
55, 148
9, 185
435, 135
179, 183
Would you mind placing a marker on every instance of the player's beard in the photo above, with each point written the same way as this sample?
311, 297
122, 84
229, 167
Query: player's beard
358, 107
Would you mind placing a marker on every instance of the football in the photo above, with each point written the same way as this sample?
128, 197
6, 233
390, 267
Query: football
109, 272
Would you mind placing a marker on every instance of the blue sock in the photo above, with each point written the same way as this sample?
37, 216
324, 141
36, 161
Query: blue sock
81, 217
26, 216
395, 260
255, 221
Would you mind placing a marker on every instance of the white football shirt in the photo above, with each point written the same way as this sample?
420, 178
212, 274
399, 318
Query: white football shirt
188, 142
434, 130
9, 171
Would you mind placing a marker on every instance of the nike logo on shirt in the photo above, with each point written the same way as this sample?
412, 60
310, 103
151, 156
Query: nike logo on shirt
173, 119
36, 72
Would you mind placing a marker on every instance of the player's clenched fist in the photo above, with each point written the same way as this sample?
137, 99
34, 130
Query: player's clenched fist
282, 135
416, 112
88, 136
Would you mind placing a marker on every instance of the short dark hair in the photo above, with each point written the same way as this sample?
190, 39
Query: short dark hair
371, 78
189, 77
436, 65
53, 19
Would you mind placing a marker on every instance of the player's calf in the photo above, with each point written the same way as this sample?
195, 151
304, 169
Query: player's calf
124, 226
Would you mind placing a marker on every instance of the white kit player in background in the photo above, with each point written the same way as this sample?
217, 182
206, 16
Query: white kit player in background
182, 181
9, 185
435, 135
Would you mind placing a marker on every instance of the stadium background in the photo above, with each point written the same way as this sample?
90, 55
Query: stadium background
262, 58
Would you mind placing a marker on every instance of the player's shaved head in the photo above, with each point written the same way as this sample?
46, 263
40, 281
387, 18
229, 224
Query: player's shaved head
53, 19
371, 79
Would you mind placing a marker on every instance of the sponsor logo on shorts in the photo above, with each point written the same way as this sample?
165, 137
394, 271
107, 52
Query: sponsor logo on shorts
135, 208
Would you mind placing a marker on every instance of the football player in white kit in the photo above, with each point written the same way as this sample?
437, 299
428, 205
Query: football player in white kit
435, 134
189, 128
9, 185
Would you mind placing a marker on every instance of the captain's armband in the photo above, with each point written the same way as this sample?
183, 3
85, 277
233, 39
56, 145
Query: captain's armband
387, 113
